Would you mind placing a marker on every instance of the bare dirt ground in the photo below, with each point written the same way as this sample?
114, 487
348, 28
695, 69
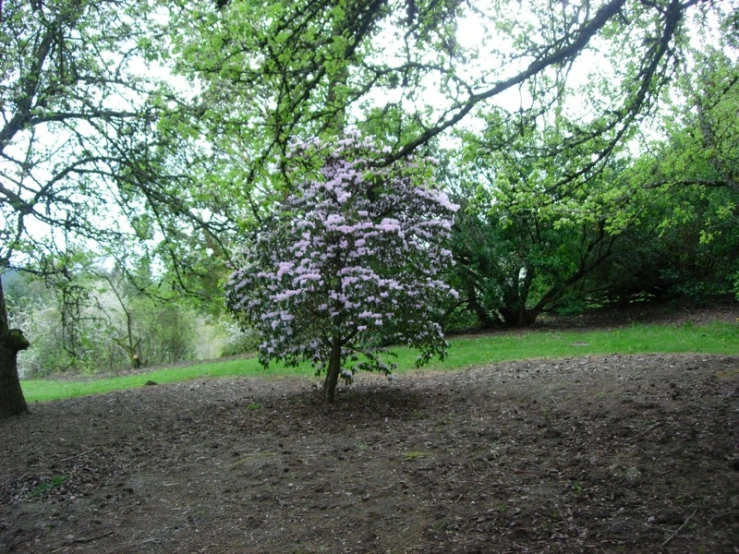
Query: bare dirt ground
635, 454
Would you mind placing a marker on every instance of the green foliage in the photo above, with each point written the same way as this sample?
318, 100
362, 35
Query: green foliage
53, 483
523, 247
168, 330
271, 72
92, 320
549, 225
684, 240
69, 71
239, 341
88, 162
459, 320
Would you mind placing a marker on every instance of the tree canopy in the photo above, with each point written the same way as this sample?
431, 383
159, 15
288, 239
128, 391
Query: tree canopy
413, 70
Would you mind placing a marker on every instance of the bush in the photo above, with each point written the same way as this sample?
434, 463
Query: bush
239, 341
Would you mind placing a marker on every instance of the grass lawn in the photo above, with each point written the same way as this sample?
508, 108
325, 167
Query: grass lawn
465, 352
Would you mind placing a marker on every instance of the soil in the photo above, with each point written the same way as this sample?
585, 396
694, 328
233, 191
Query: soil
595, 454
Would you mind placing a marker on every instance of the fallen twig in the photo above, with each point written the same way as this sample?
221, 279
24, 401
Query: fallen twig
722, 514
674, 534
77, 455
84, 540
658, 424
518, 471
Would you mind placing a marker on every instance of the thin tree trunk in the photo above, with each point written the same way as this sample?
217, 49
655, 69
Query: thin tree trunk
128, 346
12, 341
334, 368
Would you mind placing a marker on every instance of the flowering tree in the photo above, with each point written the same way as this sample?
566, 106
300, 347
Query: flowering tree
348, 263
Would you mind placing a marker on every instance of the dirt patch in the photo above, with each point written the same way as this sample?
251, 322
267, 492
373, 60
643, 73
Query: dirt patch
596, 454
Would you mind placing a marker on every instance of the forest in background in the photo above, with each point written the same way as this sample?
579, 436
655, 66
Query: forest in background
99, 323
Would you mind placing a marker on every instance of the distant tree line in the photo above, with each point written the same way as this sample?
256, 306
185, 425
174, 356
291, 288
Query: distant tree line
90, 319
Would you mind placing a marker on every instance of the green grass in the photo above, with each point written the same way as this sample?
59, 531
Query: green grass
715, 338
51, 389
46, 486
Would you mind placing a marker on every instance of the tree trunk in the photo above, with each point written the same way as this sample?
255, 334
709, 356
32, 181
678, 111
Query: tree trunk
12, 341
334, 368
518, 316
483, 318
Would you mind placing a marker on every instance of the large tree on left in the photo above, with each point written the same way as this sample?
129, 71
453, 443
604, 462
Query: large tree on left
84, 160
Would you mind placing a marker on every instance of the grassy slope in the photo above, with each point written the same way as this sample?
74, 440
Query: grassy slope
465, 352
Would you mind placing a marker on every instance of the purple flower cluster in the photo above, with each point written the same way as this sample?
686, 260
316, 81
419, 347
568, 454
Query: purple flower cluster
352, 256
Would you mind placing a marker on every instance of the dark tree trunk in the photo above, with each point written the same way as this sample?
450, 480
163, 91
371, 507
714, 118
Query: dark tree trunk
334, 368
518, 316
514, 311
12, 341
473, 302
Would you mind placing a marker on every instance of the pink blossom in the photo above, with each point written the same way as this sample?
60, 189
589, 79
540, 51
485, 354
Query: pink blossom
356, 257
283, 268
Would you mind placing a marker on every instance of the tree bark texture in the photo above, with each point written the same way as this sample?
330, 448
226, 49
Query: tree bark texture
12, 341
334, 368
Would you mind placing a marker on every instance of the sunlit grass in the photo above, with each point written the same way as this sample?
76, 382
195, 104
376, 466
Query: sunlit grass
715, 338
465, 352
51, 389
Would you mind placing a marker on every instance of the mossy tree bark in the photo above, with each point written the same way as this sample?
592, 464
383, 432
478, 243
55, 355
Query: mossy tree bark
12, 341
